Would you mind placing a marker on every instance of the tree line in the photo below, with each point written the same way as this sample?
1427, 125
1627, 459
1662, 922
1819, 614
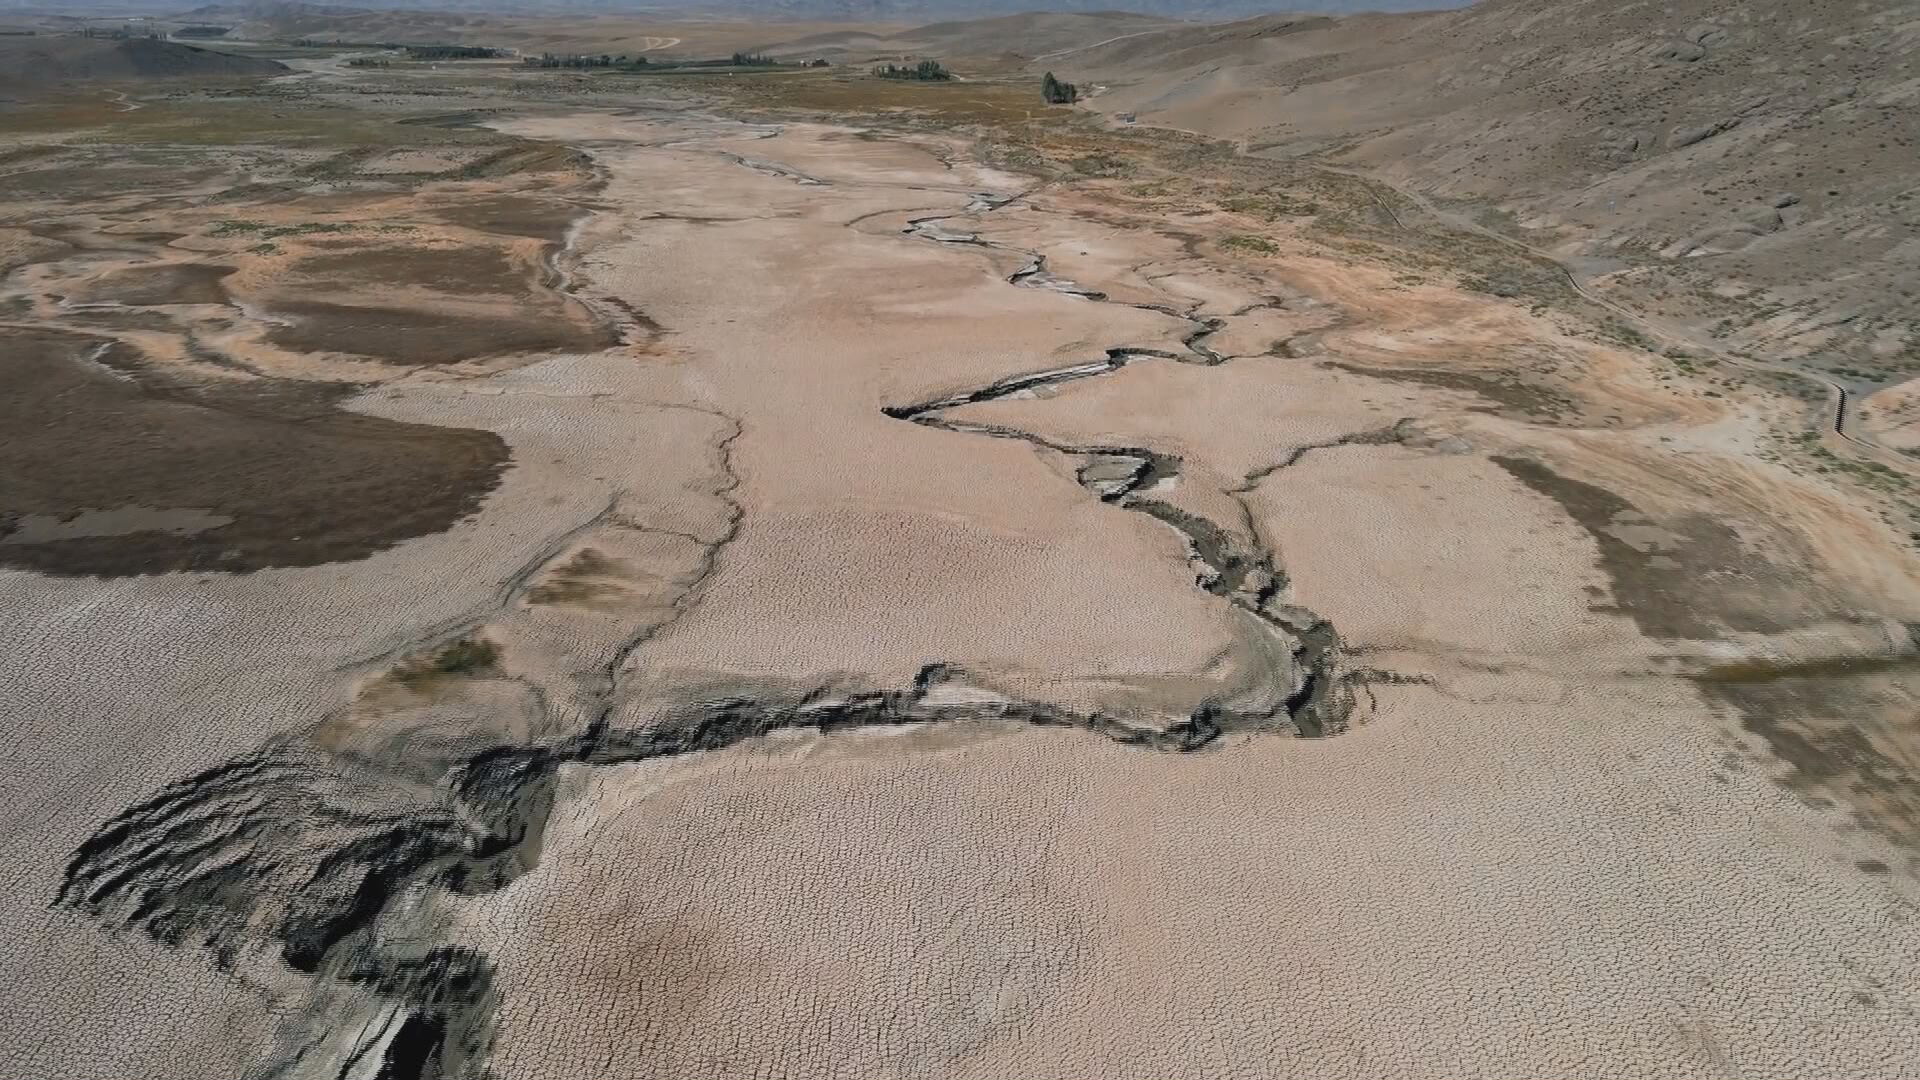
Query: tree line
629, 63
452, 52
549, 60
924, 71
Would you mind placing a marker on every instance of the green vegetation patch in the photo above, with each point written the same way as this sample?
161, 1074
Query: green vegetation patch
1101, 164
1246, 242
238, 227
1871, 474
1270, 206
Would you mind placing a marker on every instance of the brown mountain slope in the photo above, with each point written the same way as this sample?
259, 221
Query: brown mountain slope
1029, 35
43, 61
1744, 168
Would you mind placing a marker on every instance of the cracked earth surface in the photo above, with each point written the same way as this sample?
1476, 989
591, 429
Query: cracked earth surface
964, 643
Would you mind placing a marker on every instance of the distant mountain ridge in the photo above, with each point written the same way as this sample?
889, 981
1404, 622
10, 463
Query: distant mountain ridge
865, 10
1030, 34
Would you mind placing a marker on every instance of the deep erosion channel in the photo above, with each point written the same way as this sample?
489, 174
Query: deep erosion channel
1318, 702
326, 860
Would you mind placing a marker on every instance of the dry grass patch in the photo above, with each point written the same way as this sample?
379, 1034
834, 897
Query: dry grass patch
467, 658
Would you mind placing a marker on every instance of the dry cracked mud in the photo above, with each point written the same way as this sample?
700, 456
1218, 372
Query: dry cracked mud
900, 617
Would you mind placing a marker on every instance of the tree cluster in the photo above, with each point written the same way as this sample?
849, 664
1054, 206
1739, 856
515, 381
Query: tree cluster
549, 60
637, 61
924, 71
451, 52
1055, 92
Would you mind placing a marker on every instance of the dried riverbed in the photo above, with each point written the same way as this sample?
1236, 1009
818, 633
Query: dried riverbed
893, 659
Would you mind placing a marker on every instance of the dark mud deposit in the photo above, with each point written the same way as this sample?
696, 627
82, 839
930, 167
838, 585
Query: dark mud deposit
84, 428
1690, 577
459, 270
142, 286
411, 336
1841, 723
1509, 395
514, 215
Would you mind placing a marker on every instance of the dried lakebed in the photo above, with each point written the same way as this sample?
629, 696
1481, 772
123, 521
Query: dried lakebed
189, 865
854, 593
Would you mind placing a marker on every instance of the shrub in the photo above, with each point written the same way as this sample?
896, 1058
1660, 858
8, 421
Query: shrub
1258, 245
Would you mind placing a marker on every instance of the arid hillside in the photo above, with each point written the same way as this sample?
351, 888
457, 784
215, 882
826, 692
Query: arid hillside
1029, 35
1742, 168
665, 33
41, 61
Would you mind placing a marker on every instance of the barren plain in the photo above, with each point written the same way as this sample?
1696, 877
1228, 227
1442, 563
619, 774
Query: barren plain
520, 575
